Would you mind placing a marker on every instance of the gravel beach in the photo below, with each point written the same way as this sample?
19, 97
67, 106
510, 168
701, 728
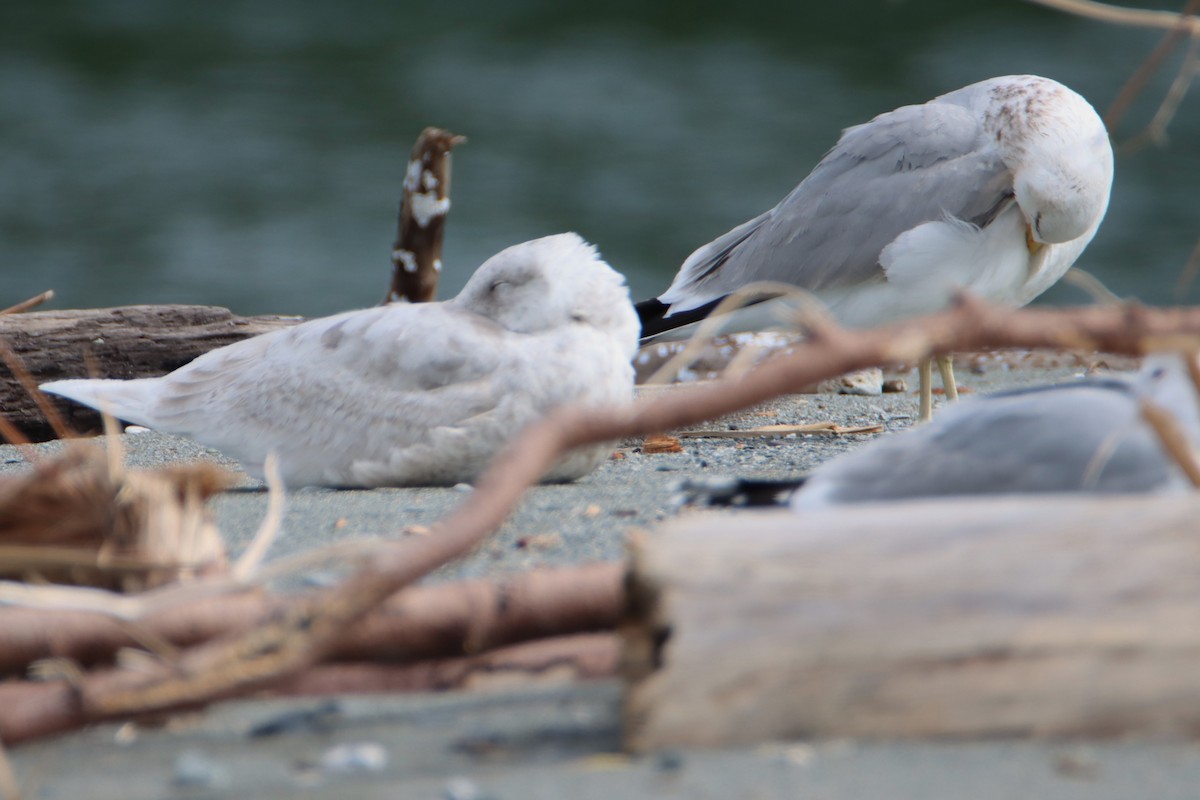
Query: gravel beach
561, 523
541, 740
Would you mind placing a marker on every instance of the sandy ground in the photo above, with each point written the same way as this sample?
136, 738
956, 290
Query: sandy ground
544, 742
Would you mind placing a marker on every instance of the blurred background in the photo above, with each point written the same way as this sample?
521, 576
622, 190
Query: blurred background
249, 153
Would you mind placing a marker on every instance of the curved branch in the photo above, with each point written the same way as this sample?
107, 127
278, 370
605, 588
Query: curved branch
1120, 15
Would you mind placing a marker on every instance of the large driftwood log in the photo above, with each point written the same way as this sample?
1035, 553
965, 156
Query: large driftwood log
126, 342
1029, 616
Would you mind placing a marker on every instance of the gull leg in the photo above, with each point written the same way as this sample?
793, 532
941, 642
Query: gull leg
925, 378
946, 368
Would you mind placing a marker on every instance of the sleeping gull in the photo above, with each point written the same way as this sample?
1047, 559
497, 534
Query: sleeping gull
995, 188
1088, 436
406, 394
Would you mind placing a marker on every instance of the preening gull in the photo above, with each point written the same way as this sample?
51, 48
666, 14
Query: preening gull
1088, 436
995, 188
406, 394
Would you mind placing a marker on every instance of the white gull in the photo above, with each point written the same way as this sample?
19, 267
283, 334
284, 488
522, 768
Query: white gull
406, 394
995, 188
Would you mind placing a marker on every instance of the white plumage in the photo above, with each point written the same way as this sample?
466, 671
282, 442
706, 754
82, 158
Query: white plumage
955, 193
995, 188
406, 394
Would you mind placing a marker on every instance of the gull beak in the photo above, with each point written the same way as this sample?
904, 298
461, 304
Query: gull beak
1032, 244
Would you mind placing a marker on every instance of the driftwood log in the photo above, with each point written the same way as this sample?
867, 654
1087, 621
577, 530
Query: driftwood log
126, 342
1022, 616
420, 623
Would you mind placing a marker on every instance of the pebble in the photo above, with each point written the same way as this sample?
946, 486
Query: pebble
195, 769
355, 757
460, 788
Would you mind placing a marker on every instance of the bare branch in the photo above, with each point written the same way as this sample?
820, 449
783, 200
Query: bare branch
1188, 274
1137, 82
1155, 131
1120, 15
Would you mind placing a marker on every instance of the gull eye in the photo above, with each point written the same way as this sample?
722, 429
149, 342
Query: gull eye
1158, 373
1037, 223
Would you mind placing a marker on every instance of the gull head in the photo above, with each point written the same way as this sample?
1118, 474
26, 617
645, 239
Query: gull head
1059, 151
551, 283
1065, 197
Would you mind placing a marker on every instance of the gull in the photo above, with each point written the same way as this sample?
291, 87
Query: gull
406, 394
995, 189
1088, 436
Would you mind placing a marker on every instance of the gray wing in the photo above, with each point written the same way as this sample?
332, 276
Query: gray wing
913, 165
1066, 439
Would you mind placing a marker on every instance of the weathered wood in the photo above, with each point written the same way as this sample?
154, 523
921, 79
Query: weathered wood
1023, 616
421, 223
126, 342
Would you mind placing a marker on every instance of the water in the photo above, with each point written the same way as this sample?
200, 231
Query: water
249, 153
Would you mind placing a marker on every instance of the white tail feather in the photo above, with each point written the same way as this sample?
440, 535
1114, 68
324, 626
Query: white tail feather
131, 401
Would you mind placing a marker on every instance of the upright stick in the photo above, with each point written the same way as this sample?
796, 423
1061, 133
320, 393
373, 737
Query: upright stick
417, 252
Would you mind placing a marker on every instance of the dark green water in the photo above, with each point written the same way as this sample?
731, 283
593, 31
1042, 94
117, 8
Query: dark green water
249, 153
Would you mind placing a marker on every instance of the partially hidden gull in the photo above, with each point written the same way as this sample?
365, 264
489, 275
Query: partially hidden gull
1087, 436
406, 394
995, 188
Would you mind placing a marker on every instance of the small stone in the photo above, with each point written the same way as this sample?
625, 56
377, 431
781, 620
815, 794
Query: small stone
462, 789
1079, 764
669, 761
355, 757
194, 769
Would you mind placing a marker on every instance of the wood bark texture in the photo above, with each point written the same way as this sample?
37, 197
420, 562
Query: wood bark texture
421, 224
1024, 616
125, 342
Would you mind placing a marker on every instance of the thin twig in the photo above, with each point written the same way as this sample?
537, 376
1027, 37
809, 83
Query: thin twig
1137, 82
17, 368
1082, 279
1173, 438
9, 788
810, 313
32, 302
253, 555
1189, 272
1120, 15
1155, 131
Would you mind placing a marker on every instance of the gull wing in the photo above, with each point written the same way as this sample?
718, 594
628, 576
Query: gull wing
1088, 437
910, 166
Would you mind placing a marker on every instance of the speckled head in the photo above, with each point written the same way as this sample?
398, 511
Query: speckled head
1059, 151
